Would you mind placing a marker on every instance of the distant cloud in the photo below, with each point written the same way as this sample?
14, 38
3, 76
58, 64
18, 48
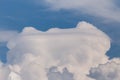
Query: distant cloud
99, 8
65, 53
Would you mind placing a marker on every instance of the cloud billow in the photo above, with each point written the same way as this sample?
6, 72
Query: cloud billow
108, 71
57, 54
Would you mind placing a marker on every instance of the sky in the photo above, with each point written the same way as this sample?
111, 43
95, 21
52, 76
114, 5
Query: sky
48, 17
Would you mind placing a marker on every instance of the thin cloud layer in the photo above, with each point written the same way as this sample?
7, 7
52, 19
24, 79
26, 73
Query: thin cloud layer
99, 8
57, 54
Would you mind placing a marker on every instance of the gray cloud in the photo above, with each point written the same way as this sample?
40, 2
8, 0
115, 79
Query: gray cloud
108, 71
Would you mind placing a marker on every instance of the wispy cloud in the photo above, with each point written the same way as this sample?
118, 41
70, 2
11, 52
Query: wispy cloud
100, 8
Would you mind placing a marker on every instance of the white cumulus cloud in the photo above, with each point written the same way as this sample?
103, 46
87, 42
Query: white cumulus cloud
57, 54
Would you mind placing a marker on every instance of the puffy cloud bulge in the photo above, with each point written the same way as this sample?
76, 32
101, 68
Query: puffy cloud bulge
66, 53
108, 71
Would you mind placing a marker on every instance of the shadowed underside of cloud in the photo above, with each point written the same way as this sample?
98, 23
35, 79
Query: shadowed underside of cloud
108, 71
99, 8
57, 54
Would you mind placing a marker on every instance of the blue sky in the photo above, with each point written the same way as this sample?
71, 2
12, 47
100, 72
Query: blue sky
43, 15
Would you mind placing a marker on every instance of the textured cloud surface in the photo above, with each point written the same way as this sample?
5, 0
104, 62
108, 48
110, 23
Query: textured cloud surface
57, 54
99, 8
108, 71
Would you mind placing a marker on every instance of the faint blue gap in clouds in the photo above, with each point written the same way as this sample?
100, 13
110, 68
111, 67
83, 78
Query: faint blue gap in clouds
5, 35
3, 52
114, 51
